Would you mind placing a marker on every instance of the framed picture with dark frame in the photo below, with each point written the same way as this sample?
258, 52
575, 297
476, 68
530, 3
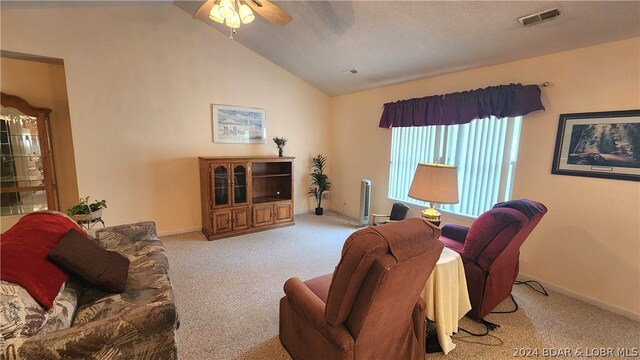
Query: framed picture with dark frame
599, 144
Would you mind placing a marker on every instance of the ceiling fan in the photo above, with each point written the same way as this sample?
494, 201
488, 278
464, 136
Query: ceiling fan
233, 12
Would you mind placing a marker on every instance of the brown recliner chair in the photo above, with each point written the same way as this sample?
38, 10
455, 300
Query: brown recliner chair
370, 307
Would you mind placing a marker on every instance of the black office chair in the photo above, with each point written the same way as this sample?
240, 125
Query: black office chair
398, 212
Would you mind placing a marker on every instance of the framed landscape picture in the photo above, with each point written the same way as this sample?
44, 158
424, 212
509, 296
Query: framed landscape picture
599, 144
238, 125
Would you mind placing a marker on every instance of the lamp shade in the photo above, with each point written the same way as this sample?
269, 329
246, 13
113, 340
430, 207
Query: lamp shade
215, 14
226, 9
246, 15
234, 21
435, 183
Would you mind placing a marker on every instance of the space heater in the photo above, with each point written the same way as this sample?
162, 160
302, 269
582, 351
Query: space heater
365, 201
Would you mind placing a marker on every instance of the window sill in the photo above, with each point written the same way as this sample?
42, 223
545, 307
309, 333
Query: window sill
459, 219
447, 215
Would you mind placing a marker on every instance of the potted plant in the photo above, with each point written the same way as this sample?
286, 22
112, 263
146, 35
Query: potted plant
319, 180
83, 211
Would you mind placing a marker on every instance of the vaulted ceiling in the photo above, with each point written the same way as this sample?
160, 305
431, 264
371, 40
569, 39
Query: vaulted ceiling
395, 41
390, 42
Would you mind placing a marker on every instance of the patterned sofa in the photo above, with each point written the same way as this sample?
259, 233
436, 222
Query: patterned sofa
139, 323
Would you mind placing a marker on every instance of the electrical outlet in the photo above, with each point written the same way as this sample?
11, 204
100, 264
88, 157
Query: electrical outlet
325, 196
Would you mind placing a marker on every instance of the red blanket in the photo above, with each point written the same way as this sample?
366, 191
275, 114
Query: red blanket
23, 254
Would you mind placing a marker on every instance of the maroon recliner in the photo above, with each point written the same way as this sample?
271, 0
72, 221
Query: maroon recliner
490, 250
370, 307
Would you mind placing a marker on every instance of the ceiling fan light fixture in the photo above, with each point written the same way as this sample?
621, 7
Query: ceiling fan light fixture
246, 15
215, 14
233, 13
234, 22
226, 9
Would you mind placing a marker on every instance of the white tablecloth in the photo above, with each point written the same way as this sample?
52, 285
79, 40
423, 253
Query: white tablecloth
446, 296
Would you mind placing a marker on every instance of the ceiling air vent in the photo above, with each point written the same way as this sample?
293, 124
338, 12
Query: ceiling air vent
534, 19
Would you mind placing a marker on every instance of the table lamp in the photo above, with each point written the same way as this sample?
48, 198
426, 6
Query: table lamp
435, 183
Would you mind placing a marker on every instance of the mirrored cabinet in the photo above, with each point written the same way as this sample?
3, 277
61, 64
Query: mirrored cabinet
27, 174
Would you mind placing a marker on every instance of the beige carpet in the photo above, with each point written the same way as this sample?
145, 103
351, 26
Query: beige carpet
228, 292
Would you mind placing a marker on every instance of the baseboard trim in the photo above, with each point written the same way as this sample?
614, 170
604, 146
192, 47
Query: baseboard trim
599, 303
179, 231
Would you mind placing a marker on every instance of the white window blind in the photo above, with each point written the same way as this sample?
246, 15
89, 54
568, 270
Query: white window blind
485, 152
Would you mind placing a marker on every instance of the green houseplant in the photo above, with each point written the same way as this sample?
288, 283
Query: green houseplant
319, 180
85, 211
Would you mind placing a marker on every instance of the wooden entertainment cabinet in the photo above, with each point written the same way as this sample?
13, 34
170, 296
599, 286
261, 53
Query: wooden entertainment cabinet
240, 195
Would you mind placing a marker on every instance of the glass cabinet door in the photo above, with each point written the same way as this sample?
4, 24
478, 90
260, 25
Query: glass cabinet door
27, 178
239, 183
220, 183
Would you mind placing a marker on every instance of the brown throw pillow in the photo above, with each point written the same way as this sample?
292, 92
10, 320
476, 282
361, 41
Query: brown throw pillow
81, 257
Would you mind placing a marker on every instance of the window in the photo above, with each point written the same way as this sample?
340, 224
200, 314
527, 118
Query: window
485, 152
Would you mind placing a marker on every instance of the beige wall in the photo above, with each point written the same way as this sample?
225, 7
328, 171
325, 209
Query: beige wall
140, 81
43, 85
589, 242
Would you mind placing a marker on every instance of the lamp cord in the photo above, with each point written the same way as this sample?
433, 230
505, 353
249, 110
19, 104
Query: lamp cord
508, 311
489, 326
541, 290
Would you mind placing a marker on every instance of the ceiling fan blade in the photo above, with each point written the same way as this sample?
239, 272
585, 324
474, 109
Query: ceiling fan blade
204, 10
269, 11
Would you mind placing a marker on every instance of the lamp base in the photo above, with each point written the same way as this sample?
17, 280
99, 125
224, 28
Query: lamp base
431, 215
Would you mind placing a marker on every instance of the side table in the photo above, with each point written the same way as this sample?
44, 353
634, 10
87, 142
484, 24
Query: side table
446, 296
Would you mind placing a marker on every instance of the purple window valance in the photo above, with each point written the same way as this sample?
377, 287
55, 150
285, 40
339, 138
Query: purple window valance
463, 107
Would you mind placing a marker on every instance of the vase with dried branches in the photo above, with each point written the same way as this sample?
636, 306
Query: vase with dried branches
280, 142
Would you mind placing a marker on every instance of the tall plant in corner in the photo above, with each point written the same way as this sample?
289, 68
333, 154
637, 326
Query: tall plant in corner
319, 180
